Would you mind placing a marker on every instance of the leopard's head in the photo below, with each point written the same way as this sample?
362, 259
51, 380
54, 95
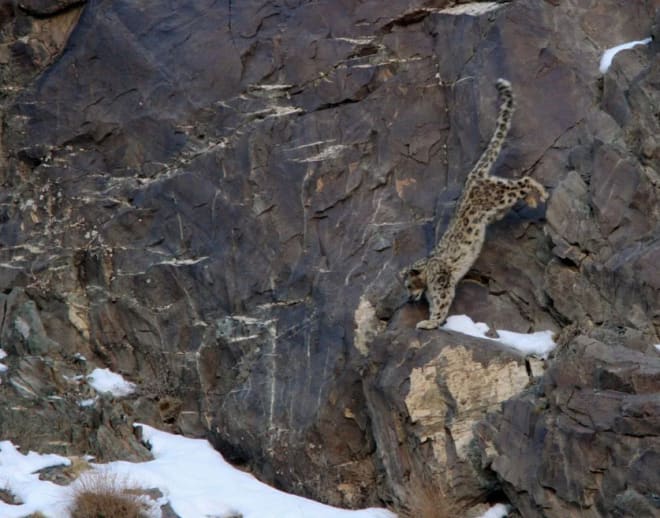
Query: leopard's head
414, 279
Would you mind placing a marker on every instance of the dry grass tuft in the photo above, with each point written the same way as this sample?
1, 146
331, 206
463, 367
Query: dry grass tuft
424, 501
169, 408
104, 495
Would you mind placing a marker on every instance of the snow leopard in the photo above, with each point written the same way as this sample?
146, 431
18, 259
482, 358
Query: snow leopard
484, 199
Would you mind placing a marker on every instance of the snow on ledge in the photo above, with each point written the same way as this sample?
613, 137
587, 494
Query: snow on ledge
472, 8
104, 380
608, 55
84, 403
539, 343
497, 511
3, 367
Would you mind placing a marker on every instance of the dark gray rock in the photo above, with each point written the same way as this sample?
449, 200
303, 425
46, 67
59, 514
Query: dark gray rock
214, 199
43, 8
593, 424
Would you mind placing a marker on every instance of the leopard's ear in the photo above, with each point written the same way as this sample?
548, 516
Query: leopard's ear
418, 267
409, 271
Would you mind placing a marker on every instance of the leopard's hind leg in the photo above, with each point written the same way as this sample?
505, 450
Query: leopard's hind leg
532, 191
508, 192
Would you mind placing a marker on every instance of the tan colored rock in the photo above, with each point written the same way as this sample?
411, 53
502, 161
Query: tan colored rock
433, 394
367, 325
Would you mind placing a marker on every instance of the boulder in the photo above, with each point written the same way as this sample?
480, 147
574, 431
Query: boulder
425, 394
585, 441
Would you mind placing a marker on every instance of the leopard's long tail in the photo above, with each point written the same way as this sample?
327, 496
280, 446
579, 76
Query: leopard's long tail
489, 156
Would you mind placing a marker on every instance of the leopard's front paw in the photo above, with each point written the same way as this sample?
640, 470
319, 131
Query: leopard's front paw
428, 324
530, 200
543, 194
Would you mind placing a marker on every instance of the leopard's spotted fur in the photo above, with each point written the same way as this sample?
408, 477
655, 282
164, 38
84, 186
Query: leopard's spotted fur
485, 199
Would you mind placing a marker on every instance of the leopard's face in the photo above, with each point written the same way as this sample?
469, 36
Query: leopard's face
414, 279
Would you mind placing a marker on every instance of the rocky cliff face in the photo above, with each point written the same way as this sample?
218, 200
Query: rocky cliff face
214, 199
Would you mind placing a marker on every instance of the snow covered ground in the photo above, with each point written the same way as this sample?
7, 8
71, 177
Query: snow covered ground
539, 343
497, 511
193, 477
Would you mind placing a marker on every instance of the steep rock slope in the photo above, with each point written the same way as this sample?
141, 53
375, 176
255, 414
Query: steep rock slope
214, 199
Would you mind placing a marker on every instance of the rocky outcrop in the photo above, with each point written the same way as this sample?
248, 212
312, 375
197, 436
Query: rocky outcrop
585, 441
48, 403
424, 397
214, 200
